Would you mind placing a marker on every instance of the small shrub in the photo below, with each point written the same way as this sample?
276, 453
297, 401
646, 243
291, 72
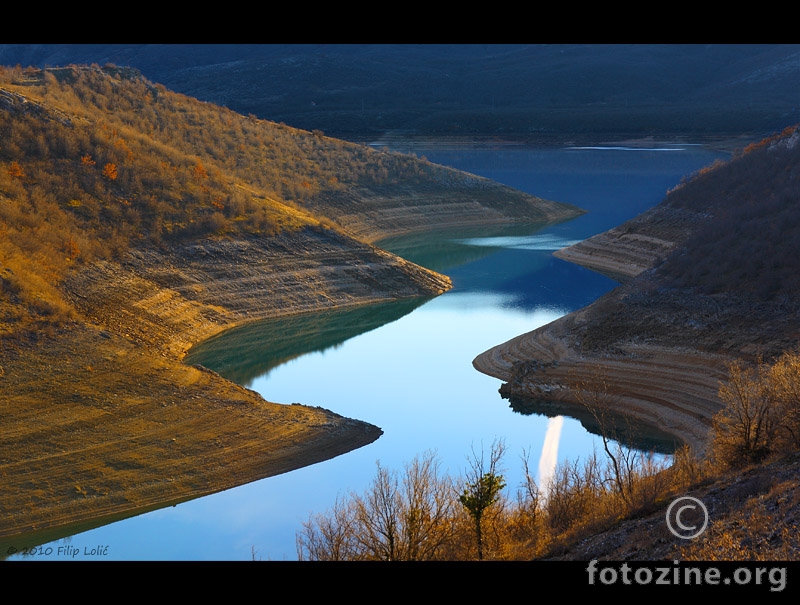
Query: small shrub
743, 431
761, 416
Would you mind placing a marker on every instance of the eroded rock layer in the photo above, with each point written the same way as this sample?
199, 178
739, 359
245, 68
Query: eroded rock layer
671, 389
652, 355
102, 420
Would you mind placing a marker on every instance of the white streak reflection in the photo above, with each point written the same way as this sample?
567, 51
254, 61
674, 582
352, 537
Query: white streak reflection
543, 241
549, 459
623, 148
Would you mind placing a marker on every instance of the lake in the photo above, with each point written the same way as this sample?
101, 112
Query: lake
407, 366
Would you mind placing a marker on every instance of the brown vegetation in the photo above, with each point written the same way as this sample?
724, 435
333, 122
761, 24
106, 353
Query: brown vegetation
761, 415
135, 222
747, 232
699, 340
423, 515
96, 160
611, 505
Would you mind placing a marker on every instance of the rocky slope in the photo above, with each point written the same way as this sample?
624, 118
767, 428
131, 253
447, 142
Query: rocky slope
168, 300
666, 383
453, 200
98, 428
689, 303
102, 420
670, 389
753, 514
126, 425
626, 251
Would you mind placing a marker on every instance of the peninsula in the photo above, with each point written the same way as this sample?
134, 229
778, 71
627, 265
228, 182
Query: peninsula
137, 222
708, 277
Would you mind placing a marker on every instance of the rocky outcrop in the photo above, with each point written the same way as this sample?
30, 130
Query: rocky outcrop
171, 299
673, 390
454, 199
641, 243
656, 357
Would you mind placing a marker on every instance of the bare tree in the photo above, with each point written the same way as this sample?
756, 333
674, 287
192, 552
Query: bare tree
525, 517
573, 493
404, 518
599, 397
378, 517
744, 430
529, 495
784, 382
330, 537
428, 509
635, 477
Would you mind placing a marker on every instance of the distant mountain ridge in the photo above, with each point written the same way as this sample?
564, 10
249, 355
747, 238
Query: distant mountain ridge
517, 91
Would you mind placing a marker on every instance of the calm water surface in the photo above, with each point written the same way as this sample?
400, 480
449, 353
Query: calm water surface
407, 367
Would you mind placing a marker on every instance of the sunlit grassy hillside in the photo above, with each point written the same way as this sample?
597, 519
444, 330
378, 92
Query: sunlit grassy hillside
96, 160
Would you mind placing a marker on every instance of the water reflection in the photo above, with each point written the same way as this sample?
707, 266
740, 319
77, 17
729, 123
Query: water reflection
548, 460
243, 354
444, 250
543, 241
635, 435
413, 375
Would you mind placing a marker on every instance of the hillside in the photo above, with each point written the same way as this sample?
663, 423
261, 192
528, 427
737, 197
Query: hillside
137, 222
710, 276
97, 160
531, 92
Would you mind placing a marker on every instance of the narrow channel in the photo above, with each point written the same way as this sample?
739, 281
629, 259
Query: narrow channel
407, 366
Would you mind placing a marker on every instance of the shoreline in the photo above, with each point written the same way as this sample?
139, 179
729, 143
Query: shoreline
170, 432
673, 390
103, 419
661, 352
610, 349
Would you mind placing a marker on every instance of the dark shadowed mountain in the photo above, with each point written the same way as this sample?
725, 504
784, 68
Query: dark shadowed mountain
529, 92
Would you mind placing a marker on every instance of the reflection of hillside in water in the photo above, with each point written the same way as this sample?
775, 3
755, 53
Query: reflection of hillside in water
245, 353
623, 430
443, 250
515, 261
